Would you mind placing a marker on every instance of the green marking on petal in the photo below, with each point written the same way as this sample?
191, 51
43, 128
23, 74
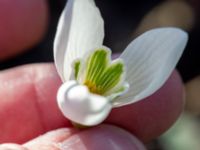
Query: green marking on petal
110, 77
76, 68
96, 64
102, 75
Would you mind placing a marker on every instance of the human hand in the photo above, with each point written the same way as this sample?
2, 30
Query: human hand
29, 109
28, 106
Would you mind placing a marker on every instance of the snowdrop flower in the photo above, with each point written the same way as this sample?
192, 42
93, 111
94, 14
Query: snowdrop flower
92, 83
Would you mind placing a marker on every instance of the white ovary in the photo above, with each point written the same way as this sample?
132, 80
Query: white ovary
79, 105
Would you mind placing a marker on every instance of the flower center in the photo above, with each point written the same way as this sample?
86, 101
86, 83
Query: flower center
93, 87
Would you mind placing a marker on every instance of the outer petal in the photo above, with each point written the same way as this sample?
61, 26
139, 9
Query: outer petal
80, 106
150, 59
80, 29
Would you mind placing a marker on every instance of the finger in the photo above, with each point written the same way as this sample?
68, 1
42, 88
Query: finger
21, 26
102, 137
28, 102
47, 141
152, 116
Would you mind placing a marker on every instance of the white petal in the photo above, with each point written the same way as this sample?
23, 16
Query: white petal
150, 59
80, 106
80, 29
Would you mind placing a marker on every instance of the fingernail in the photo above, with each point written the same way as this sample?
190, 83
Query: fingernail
104, 137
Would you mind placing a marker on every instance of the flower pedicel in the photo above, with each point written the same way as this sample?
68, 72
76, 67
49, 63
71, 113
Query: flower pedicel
92, 83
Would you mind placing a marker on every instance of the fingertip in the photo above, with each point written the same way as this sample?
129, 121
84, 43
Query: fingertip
28, 102
104, 137
23, 24
152, 116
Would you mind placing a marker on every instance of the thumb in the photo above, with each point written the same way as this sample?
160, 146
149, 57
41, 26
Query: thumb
104, 137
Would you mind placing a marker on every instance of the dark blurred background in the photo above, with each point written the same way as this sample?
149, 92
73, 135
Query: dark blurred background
122, 18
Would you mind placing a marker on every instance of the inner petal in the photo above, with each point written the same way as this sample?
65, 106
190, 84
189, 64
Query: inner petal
100, 74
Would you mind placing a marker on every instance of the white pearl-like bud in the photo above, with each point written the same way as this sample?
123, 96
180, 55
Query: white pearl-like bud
79, 105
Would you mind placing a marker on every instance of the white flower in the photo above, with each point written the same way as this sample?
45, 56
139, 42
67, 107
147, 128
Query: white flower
92, 83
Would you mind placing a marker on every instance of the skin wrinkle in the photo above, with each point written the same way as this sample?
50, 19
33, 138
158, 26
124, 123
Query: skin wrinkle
39, 111
10, 91
41, 90
51, 140
33, 77
73, 142
40, 93
46, 101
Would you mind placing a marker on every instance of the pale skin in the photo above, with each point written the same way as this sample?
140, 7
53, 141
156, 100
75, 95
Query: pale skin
28, 109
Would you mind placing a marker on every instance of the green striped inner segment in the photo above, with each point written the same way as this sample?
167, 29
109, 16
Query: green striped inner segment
101, 75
